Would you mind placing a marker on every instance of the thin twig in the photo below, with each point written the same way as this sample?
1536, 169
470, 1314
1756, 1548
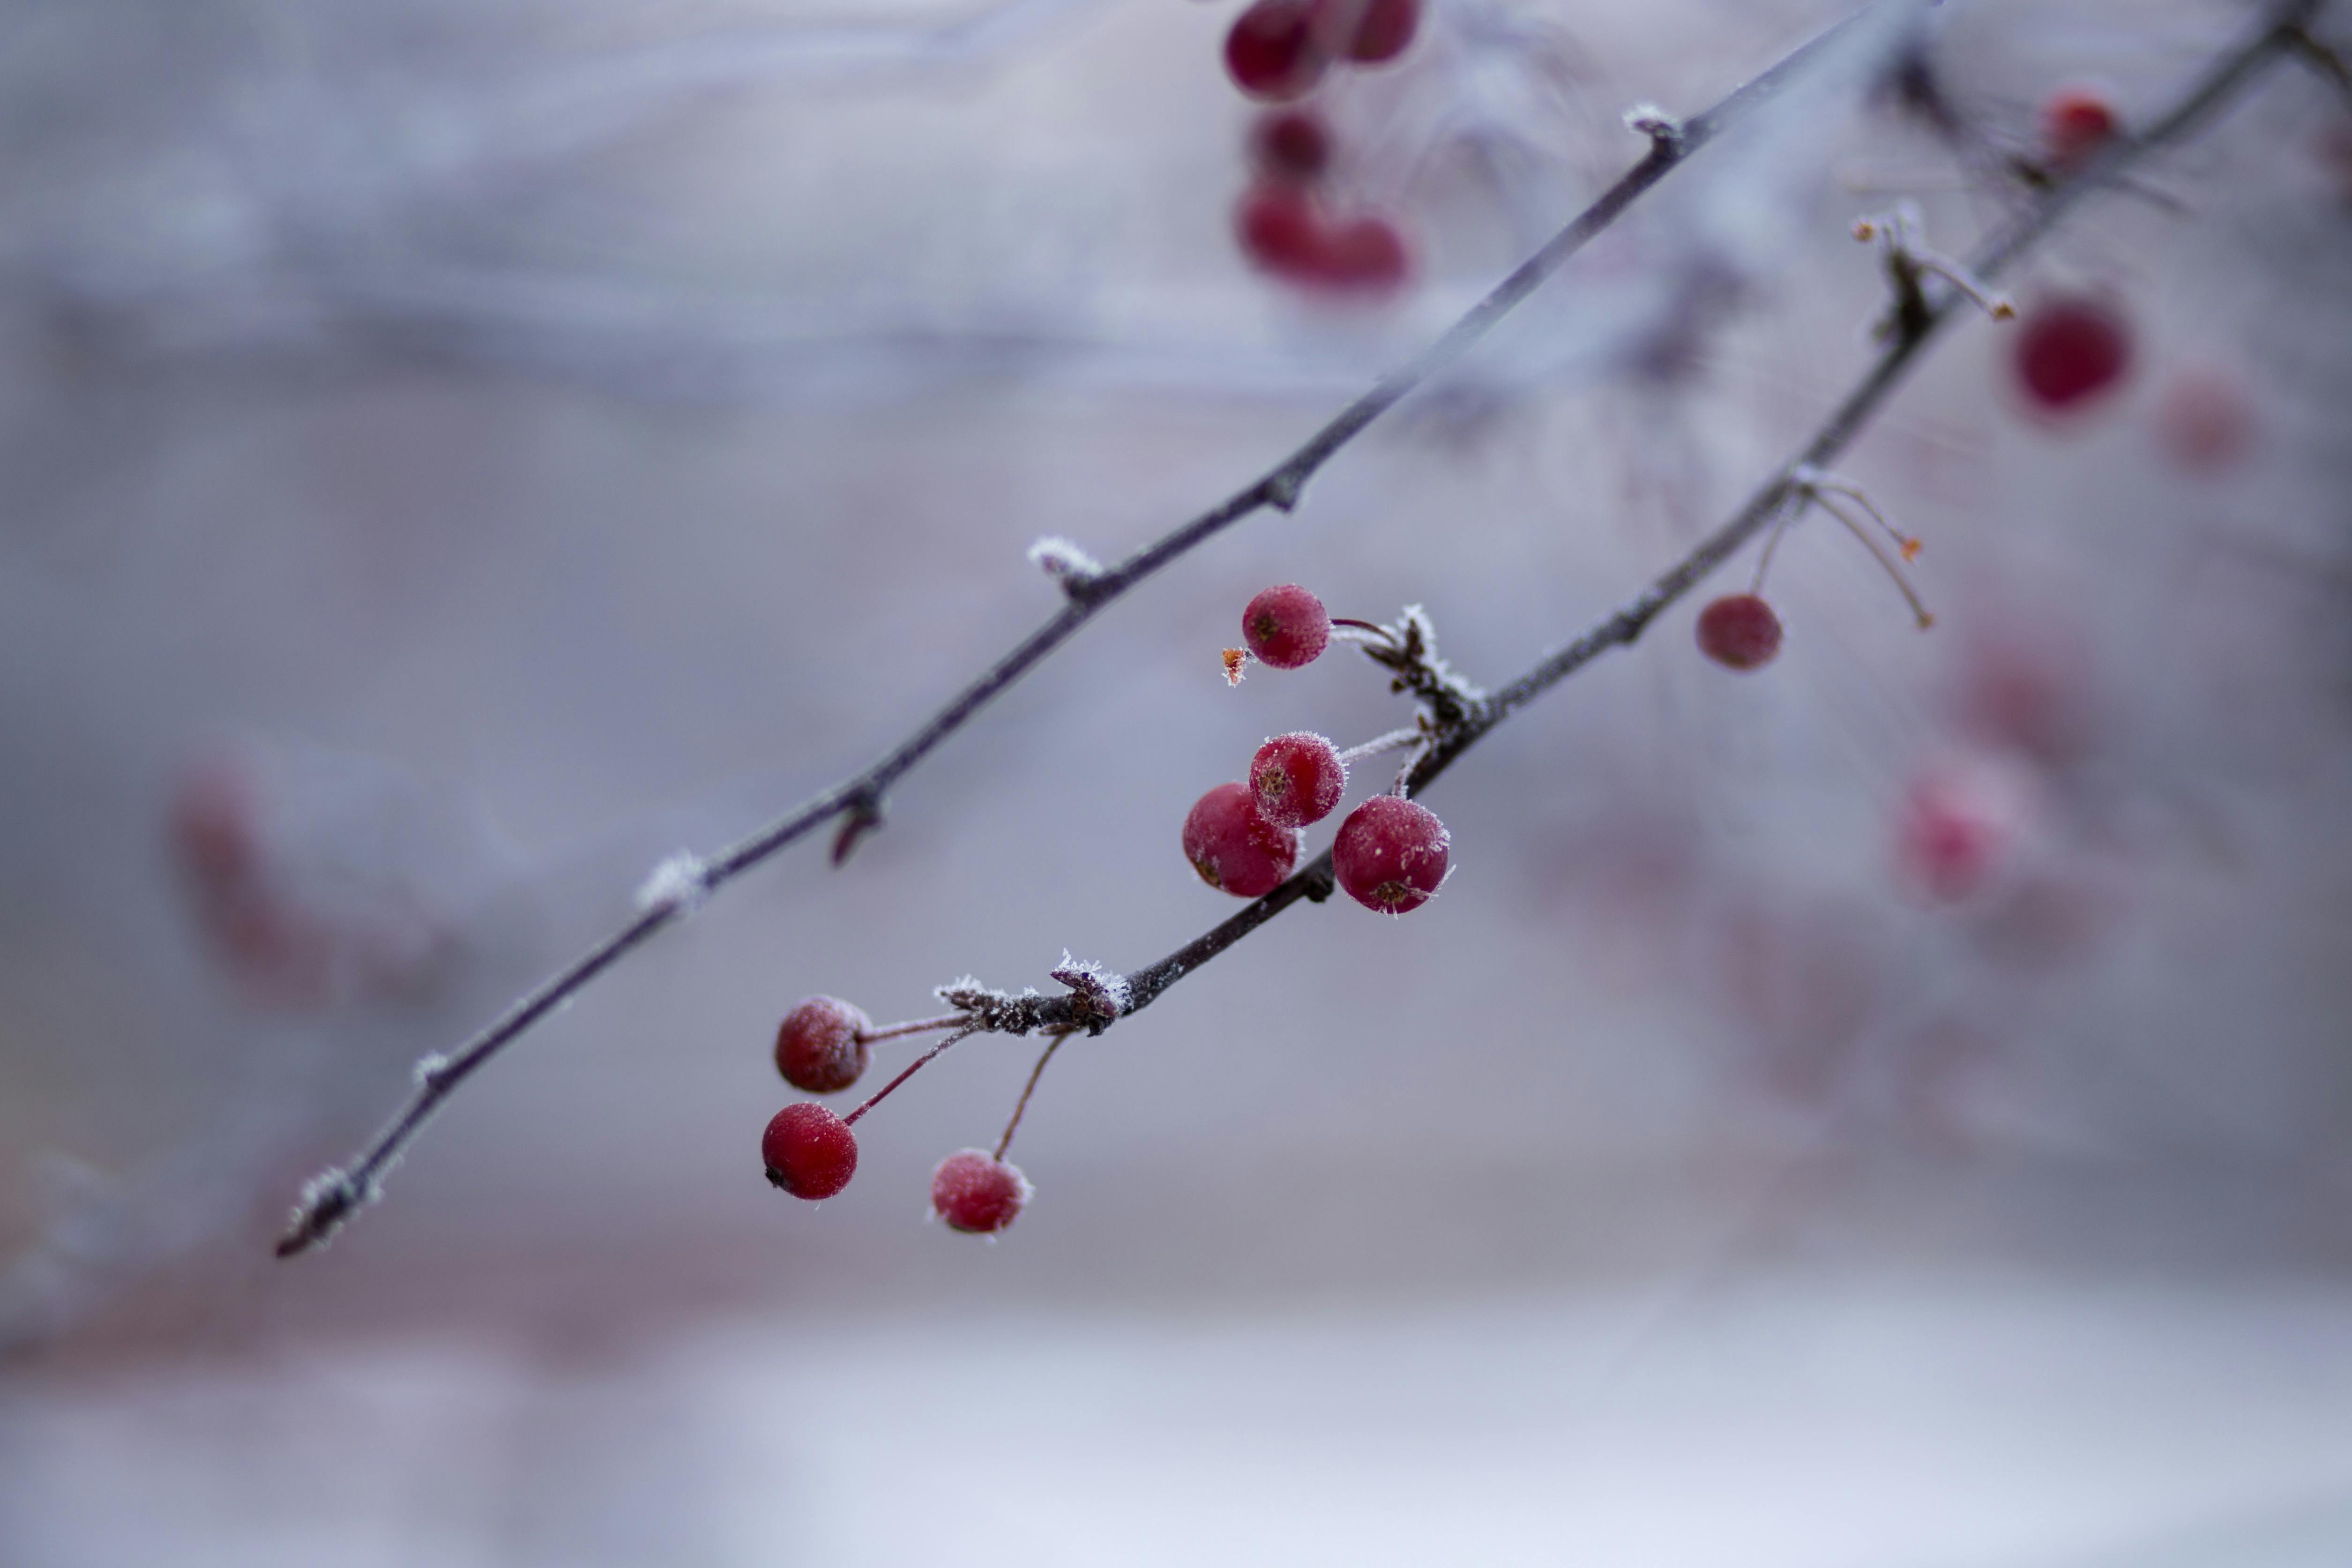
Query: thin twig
912, 1026
1022, 1105
333, 1197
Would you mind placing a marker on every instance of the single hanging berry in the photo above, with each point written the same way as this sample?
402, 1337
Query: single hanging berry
1273, 53
977, 1193
818, 1045
2071, 350
1233, 846
1286, 627
1390, 854
2077, 122
1296, 779
1739, 631
811, 1152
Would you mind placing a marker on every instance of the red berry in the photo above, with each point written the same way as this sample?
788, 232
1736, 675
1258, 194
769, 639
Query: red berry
1272, 52
1291, 144
1390, 854
2071, 349
1234, 848
1739, 631
1368, 254
1286, 627
1279, 230
811, 1152
978, 1193
1296, 779
1383, 28
818, 1047
2075, 123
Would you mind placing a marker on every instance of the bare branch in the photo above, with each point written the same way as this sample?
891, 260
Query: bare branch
334, 1197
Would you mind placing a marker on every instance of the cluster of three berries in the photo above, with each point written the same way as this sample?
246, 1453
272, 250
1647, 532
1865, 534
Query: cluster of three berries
1244, 838
821, 1048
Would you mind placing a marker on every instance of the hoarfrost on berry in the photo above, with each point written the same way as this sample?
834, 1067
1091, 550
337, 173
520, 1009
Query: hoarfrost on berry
977, 1193
810, 1152
1234, 848
1392, 854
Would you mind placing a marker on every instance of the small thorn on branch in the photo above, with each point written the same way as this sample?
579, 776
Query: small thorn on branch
1664, 130
861, 816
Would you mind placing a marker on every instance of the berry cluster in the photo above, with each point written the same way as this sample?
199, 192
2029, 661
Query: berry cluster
1278, 51
811, 1152
1244, 838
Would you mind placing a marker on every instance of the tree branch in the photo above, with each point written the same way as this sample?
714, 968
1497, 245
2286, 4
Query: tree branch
333, 1196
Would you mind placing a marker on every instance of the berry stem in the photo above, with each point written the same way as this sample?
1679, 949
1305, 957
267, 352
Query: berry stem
1029, 1089
909, 1070
1837, 509
915, 1026
1394, 741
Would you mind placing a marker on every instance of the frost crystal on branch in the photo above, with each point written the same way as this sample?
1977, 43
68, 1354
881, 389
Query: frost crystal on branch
1068, 564
1098, 995
679, 883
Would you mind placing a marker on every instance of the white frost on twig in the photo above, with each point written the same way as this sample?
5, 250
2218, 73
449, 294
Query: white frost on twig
1100, 992
429, 1067
1064, 562
679, 883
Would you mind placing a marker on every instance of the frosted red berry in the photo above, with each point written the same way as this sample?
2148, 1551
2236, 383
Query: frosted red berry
818, 1045
1390, 854
1233, 846
1280, 231
2070, 351
1739, 631
978, 1193
1296, 779
2076, 123
1286, 627
1291, 144
811, 1152
1273, 52
1383, 28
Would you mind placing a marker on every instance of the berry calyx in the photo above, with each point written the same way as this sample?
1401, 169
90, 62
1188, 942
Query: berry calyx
2070, 351
1286, 627
1233, 846
2076, 123
1390, 854
1291, 144
978, 1193
1739, 631
1296, 779
811, 1152
1383, 28
1273, 52
818, 1045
